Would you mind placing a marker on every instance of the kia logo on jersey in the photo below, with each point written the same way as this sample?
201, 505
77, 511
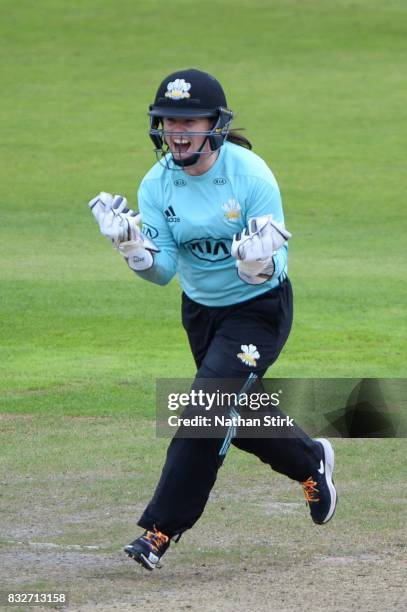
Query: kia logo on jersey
209, 249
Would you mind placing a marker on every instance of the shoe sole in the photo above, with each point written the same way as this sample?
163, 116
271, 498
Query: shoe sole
140, 558
329, 468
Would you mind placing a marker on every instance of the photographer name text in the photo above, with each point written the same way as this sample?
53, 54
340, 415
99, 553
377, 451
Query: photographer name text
234, 421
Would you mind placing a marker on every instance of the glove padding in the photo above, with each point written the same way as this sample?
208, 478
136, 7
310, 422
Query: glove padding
116, 221
120, 224
255, 246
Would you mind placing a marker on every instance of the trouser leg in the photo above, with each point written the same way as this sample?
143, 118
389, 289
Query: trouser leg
245, 339
293, 454
187, 478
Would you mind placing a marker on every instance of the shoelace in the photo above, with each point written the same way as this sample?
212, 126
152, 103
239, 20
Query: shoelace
310, 490
156, 538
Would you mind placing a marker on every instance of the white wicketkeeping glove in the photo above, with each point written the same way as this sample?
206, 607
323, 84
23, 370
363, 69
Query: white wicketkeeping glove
255, 246
121, 225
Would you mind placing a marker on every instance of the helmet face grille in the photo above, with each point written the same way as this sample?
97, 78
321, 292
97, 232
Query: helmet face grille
216, 135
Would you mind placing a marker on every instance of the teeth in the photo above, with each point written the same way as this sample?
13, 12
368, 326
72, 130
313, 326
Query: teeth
180, 141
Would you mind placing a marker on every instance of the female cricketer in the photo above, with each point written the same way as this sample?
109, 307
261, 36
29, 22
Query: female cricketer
212, 212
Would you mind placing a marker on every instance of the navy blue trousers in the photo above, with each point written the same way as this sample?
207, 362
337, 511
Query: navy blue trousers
219, 340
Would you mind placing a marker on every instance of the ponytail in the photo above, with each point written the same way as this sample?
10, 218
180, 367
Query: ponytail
236, 138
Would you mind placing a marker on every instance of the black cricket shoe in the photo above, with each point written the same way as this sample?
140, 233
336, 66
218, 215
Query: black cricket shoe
148, 548
319, 488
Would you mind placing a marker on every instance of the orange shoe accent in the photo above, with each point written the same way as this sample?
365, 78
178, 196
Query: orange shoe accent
309, 487
156, 538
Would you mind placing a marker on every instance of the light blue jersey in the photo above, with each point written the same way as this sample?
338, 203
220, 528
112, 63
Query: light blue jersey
192, 219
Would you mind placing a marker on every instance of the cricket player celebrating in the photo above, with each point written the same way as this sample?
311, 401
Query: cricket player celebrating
211, 212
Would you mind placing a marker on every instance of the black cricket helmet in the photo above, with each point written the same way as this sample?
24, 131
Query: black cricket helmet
190, 93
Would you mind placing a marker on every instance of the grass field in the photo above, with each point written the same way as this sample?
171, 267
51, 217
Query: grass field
320, 88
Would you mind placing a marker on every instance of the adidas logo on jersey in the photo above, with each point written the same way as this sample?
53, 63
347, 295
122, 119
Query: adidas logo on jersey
170, 215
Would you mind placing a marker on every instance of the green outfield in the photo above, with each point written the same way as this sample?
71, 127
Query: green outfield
320, 88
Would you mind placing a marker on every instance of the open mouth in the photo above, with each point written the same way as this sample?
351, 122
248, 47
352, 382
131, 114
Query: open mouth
180, 146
